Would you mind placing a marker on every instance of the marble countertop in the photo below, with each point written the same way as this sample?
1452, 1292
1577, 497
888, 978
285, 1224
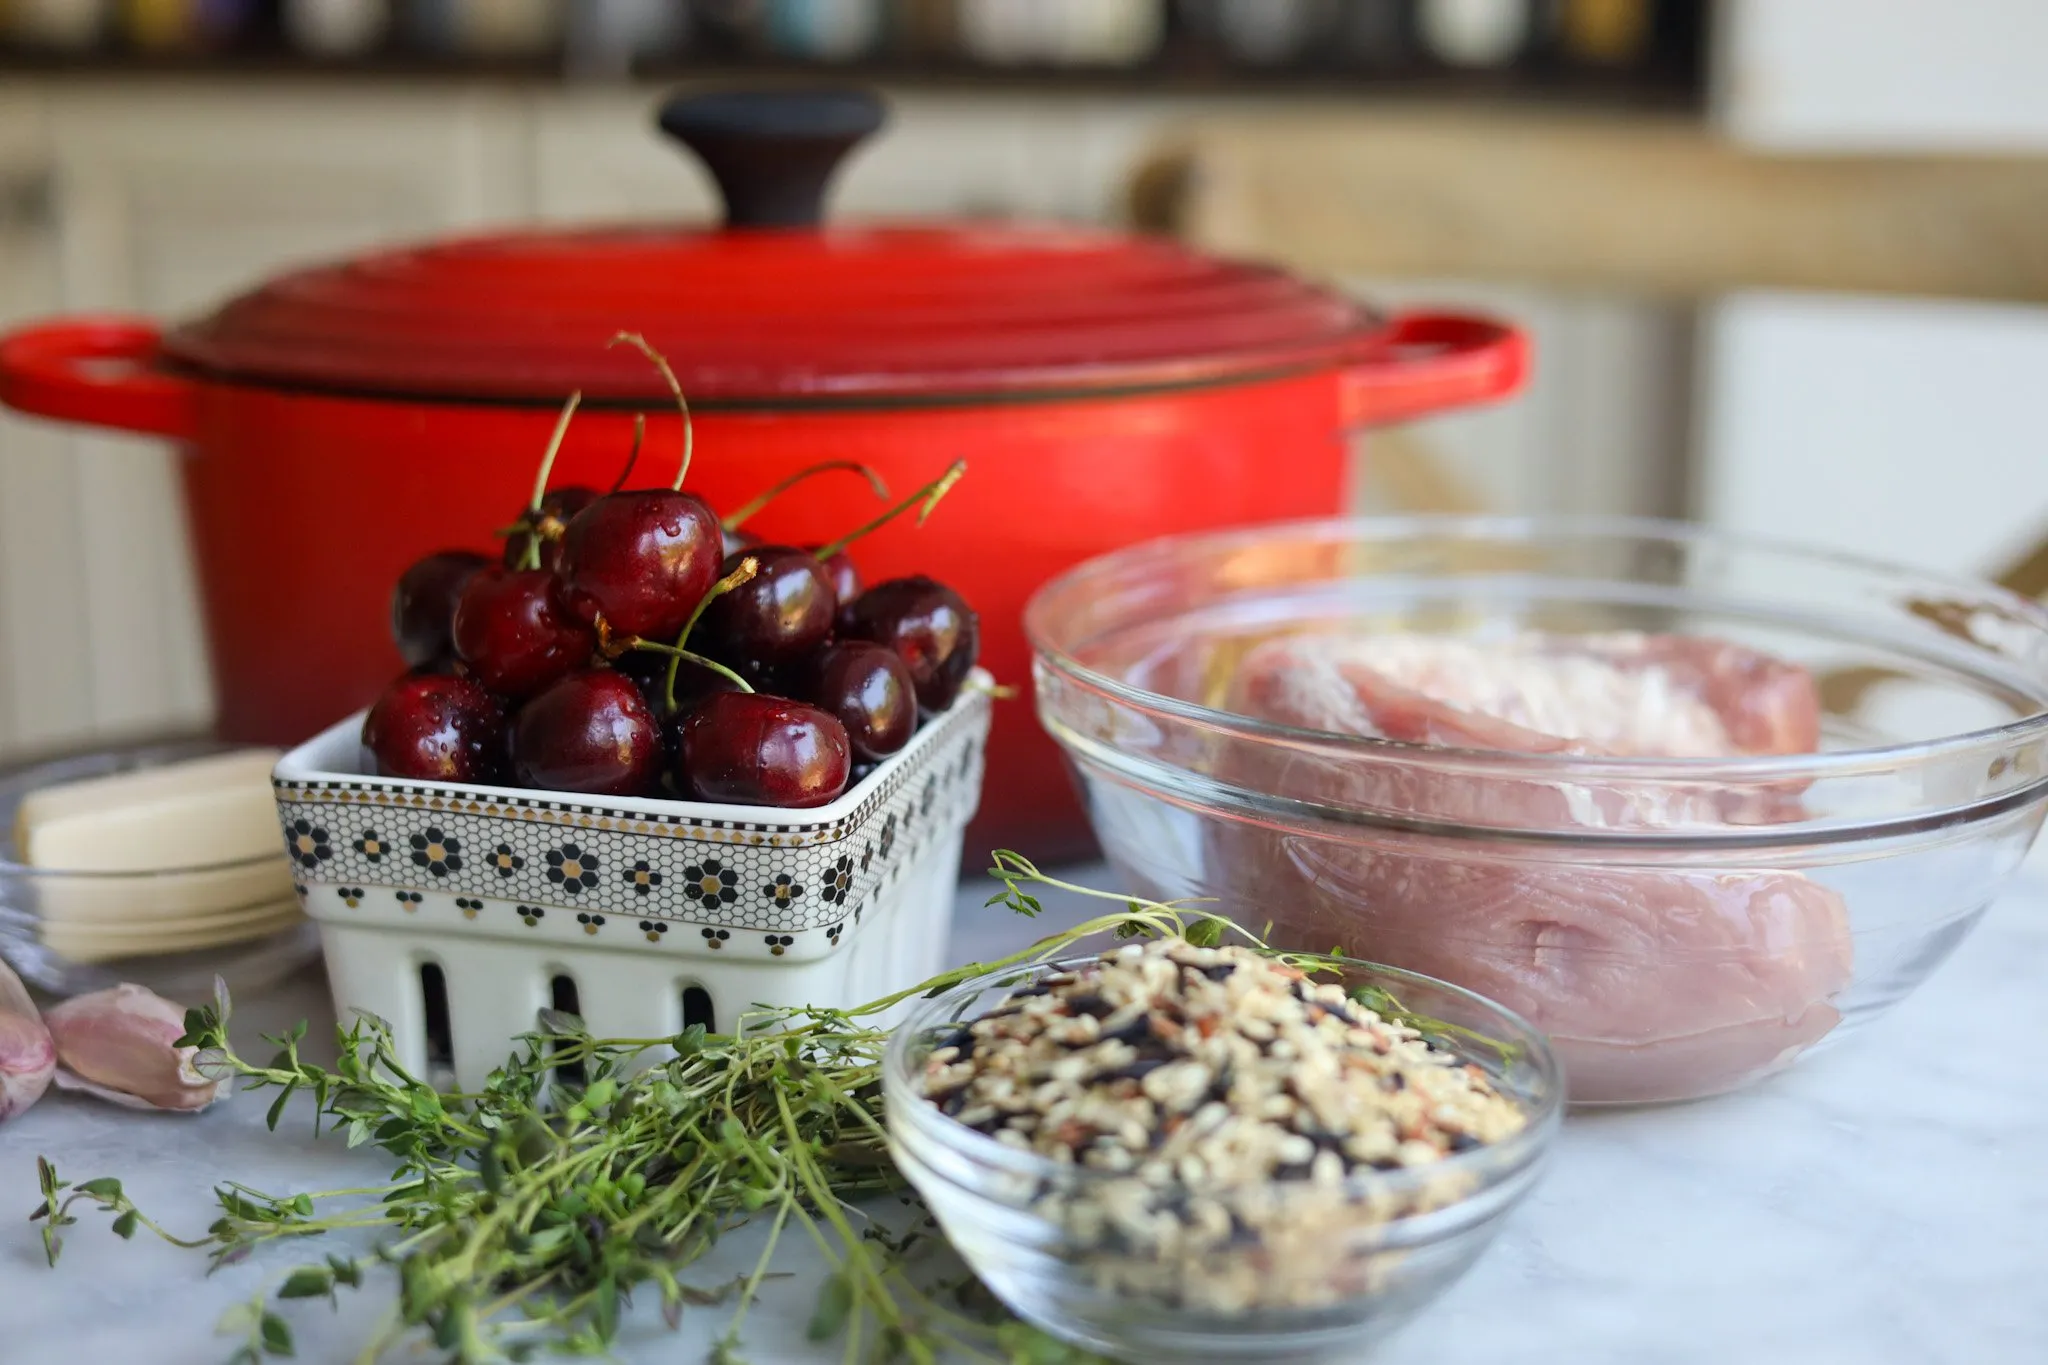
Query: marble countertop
1884, 1204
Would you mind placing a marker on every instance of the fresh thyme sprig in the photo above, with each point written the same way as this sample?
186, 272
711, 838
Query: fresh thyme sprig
522, 1217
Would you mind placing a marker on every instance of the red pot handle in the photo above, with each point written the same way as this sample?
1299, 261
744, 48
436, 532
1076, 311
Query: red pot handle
1431, 361
68, 369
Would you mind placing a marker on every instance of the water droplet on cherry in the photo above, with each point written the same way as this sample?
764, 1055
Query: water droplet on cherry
869, 689
515, 632
756, 750
931, 628
842, 575
641, 560
437, 728
779, 615
591, 732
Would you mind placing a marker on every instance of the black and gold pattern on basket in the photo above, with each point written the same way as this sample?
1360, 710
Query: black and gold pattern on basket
307, 843
779, 876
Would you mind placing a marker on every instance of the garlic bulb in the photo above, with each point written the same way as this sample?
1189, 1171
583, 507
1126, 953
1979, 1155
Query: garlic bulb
27, 1056
121, 1045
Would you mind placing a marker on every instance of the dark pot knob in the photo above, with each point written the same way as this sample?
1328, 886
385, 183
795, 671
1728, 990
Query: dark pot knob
773, 153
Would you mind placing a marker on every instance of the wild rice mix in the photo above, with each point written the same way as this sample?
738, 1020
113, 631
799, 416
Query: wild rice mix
1203, 1076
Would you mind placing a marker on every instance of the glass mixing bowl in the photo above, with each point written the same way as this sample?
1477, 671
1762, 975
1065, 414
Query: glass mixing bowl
1371, 1251
1679, 927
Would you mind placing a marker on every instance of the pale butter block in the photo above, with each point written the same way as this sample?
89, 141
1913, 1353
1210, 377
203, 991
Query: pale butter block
196, 813
213, 814
83, 943
132, 899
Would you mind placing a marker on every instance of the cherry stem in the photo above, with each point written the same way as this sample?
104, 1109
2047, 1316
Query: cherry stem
639, 343
748, 567
676, 658
739, 517
530, 558
633, 456
928, 495
547, 461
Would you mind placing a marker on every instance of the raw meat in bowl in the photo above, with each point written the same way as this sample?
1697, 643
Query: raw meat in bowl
1654, 983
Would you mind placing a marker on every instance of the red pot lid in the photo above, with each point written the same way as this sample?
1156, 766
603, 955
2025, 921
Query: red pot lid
773, 310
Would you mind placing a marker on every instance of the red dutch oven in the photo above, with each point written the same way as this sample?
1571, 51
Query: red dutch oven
1103, 388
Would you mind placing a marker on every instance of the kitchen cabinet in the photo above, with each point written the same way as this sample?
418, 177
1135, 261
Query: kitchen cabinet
161, 199
45, 671
1903, 428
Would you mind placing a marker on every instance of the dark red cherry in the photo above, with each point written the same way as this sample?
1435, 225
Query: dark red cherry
840, 573
929, 626
753, 750
557, 507
641, 560
868, 688
737, 540
780, 614
516, 634
591, 732
423, 603
437, 728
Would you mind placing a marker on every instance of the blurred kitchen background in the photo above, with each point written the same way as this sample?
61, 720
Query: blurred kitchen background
1780, 258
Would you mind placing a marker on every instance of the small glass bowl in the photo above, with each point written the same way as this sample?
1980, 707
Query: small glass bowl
1343, 1284
71, 932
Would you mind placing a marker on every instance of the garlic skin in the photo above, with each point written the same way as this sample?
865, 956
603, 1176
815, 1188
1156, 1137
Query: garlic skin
28, 1057
121, 1045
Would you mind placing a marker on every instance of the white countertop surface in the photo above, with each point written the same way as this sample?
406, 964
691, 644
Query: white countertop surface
1884, 1204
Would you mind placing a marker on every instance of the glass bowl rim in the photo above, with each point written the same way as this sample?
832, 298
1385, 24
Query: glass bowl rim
1762, 768
1490, 1162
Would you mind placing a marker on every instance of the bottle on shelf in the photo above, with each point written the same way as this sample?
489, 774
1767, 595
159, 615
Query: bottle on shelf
999, 32
56, 25
1103, 33
1272, 33
158, 25
507, 28
926, 30
1612, 33
605, 38
826, 30
1474, 33
336, 30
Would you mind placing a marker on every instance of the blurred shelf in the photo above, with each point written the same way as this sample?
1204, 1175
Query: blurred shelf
1656, 207
1593, 90
1610, 53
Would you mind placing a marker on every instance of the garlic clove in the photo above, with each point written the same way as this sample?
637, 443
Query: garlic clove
28, 1057
121, 1045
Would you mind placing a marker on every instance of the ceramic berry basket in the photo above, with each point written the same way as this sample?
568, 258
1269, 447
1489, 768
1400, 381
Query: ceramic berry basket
458, 912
